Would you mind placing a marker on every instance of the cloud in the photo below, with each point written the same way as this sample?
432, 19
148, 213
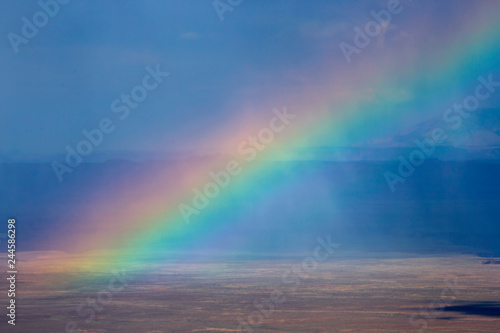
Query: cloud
190, 35
318, 30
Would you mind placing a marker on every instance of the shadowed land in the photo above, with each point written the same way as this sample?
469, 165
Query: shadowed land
488, 309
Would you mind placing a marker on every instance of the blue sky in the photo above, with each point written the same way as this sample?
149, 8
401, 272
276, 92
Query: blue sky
91, 52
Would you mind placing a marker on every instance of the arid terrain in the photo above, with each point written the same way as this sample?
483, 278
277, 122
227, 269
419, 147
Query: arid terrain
345, 293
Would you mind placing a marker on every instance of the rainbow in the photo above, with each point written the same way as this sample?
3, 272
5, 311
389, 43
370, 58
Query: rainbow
356, 101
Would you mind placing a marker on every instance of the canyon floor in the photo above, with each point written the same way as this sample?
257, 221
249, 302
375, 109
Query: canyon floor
402, 293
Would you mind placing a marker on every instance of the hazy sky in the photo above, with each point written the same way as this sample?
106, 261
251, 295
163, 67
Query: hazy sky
264, 53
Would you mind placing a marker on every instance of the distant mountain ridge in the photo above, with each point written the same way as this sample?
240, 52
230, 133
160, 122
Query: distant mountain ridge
480, 129
477, 138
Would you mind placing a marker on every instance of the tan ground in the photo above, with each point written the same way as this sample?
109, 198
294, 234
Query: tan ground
341, 295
